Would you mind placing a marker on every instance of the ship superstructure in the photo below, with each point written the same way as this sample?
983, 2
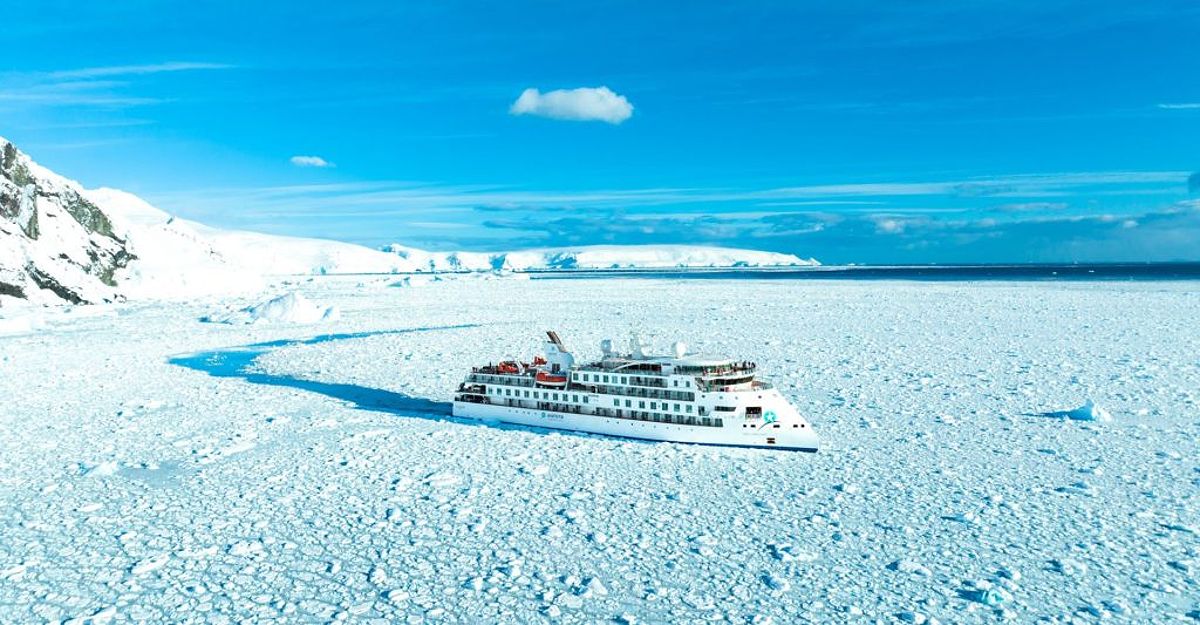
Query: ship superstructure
682, 397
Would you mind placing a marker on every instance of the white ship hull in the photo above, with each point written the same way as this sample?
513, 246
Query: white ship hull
802, 439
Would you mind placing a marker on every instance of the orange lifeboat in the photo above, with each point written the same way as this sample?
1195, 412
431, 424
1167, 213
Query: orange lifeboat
546, 378
508, 367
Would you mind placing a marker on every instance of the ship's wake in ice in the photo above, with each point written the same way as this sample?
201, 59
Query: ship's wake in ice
238, 362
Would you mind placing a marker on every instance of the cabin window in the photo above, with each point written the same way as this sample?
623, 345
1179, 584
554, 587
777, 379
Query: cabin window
585, 399
654, 405
555, 396
718, 423
606, 378
628, 404
575, 398
508, 391
676, 407
641, 404
689, 407
753, 411
526, 393
725, 408
705, 421
624, 380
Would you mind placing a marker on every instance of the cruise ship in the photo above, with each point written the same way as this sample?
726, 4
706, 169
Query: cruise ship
685, 398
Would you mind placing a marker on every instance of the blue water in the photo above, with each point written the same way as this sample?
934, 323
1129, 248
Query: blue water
1078, 272
239, 362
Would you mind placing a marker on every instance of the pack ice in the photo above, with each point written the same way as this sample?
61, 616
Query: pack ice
157, 469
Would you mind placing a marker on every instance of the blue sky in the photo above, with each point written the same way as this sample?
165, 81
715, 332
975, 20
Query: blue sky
876, 132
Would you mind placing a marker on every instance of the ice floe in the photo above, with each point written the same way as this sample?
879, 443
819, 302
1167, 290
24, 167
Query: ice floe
291, 308
1089, 411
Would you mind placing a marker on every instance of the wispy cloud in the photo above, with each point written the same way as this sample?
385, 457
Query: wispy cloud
106, 86
932, 197
858, 215
1179, 106
1027, 207
583, 104
133, 70
1167, 234
310, 161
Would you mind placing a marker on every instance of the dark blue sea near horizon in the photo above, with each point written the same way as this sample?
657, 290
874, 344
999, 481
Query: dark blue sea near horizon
1040, 272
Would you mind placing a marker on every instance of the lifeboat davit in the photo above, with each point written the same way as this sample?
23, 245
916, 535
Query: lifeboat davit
546, 378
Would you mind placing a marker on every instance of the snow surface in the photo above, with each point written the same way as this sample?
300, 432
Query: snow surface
158, 469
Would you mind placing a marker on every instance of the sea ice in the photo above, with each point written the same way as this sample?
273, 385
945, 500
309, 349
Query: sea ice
290, 307
292, 447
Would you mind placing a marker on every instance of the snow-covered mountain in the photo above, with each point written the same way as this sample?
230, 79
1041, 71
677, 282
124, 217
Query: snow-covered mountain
55, 244
61, 243
597, 257
182, 259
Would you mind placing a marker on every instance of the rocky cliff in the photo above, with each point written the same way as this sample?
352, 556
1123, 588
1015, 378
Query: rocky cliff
55, 245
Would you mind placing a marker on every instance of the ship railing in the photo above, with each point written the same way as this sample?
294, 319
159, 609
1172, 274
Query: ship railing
642, 392
510, 380
729, 386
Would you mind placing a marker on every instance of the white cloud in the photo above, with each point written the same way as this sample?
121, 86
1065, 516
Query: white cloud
583, 104
310, 161
887, 225
1180, 106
